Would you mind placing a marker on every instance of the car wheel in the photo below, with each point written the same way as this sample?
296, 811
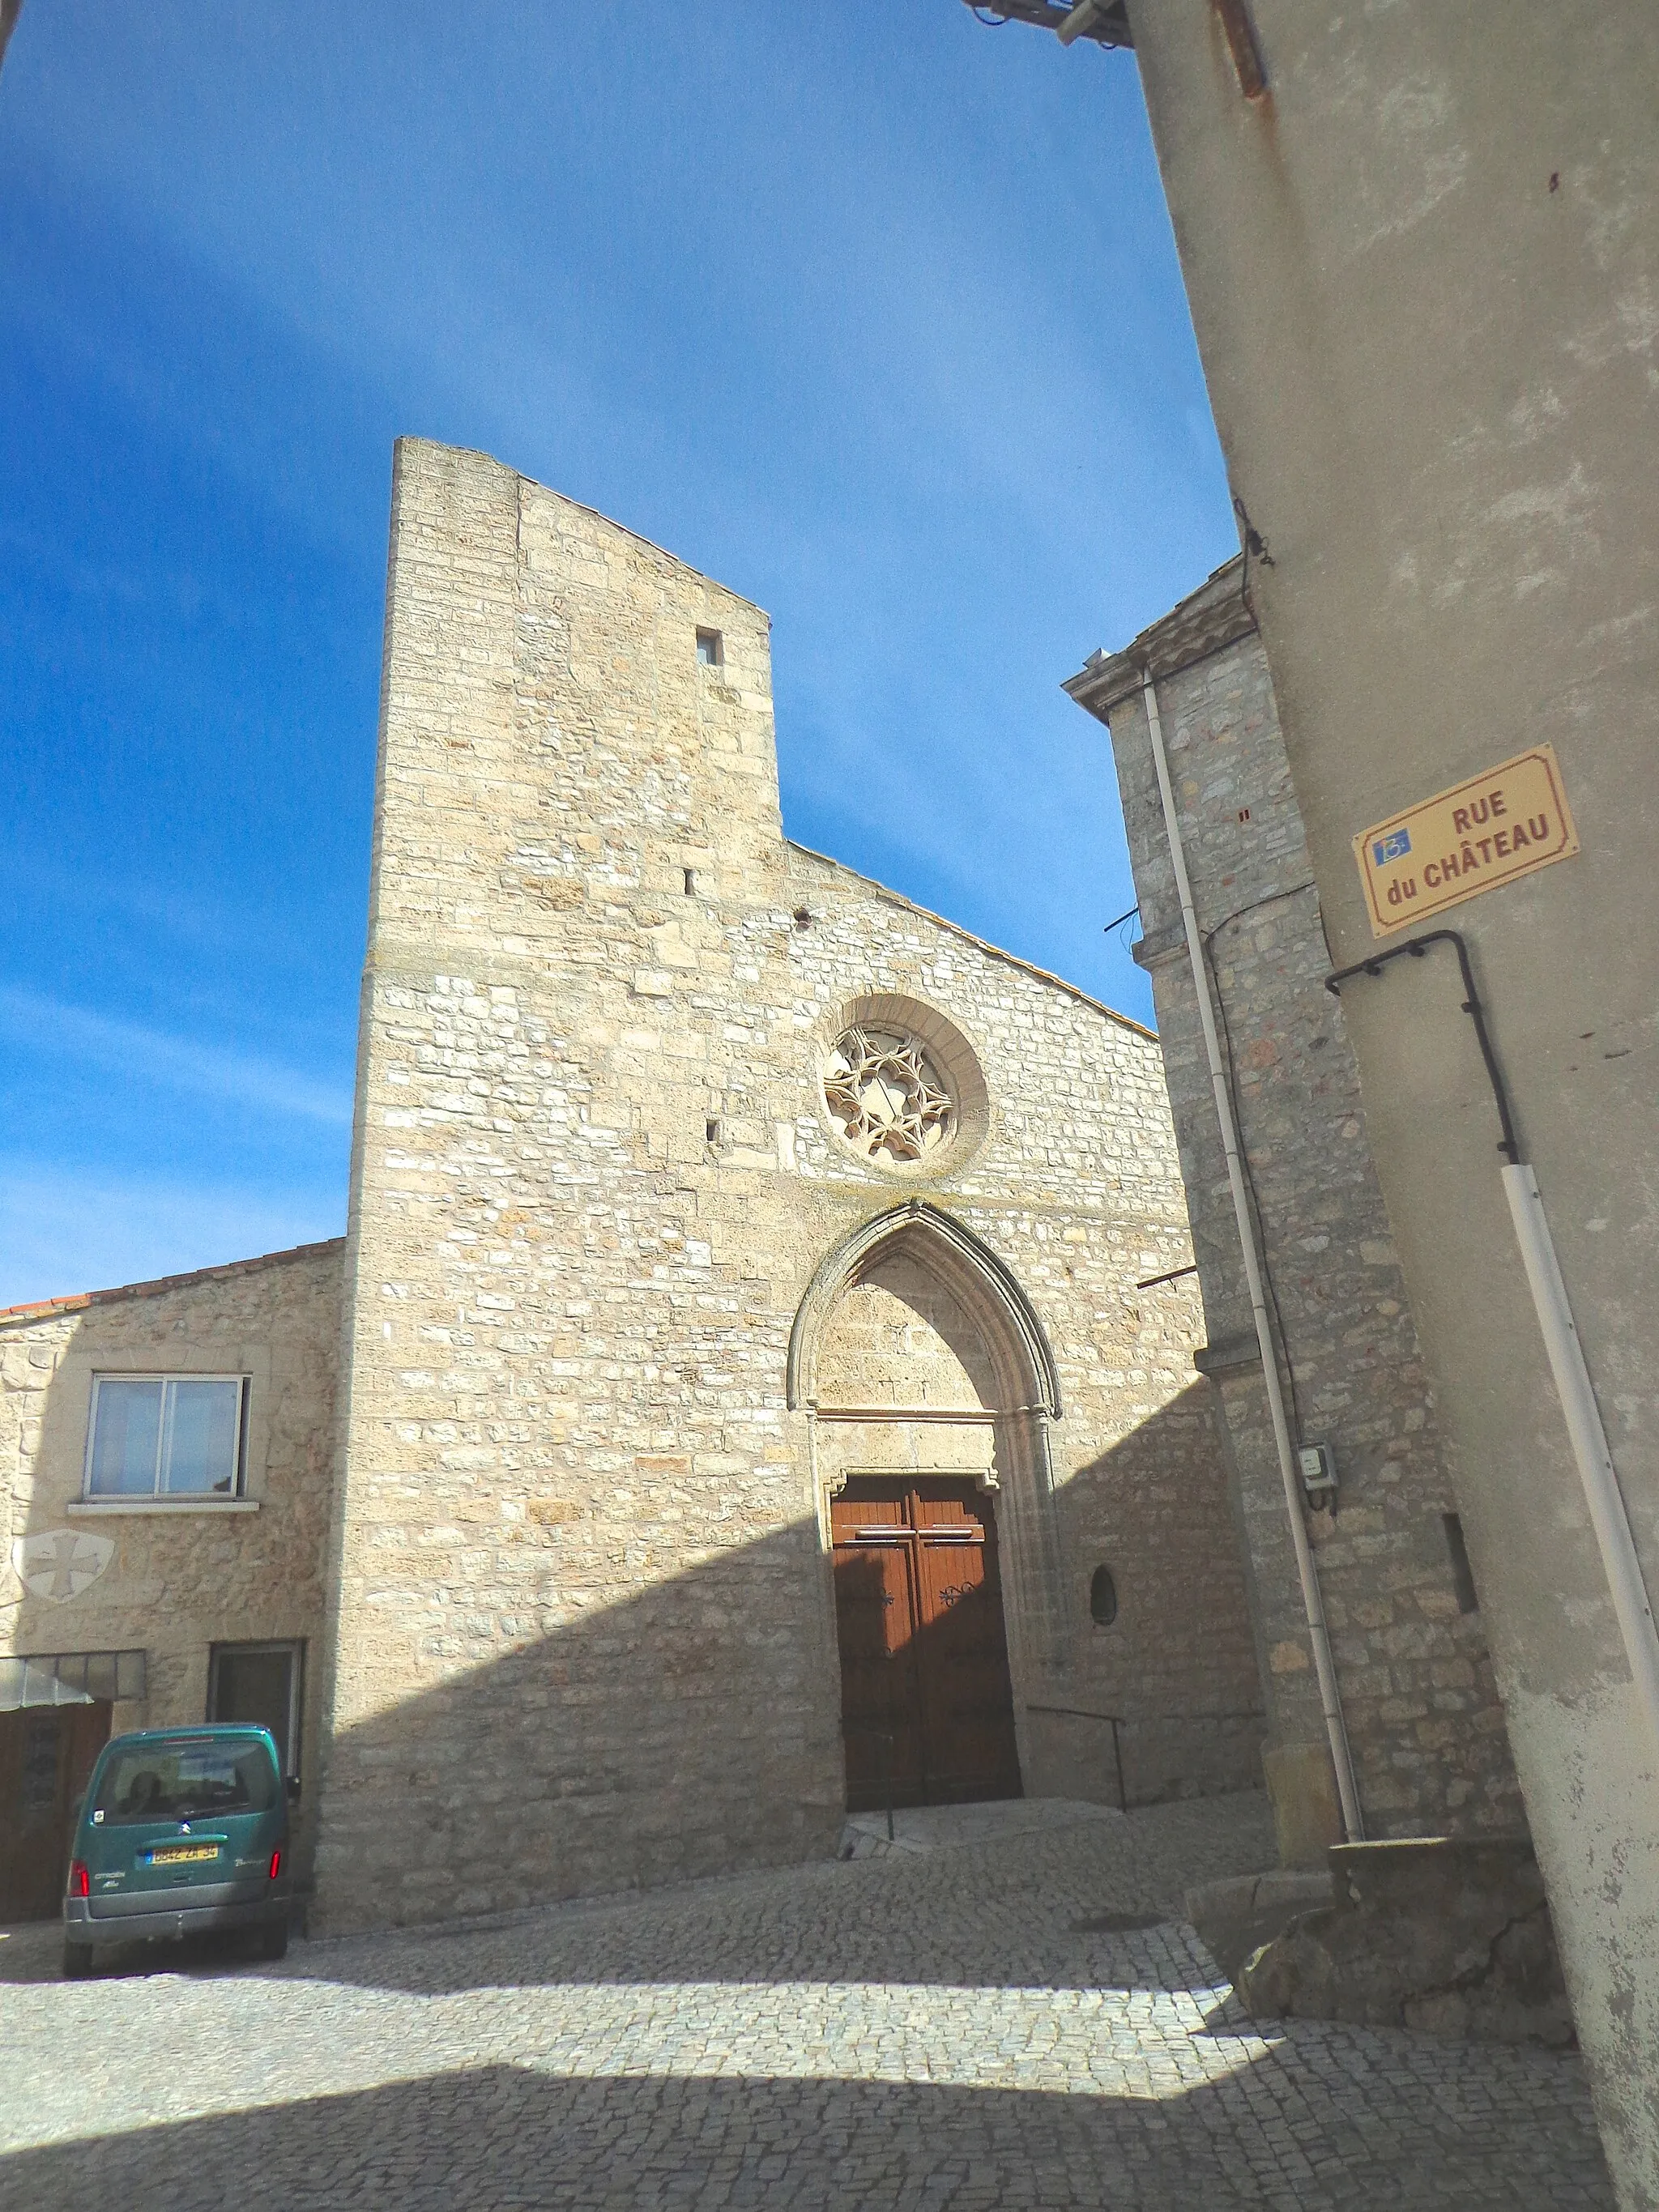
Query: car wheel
77, 1961
273, 1941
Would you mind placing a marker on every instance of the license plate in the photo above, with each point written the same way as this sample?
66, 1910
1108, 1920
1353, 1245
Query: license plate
183, 1854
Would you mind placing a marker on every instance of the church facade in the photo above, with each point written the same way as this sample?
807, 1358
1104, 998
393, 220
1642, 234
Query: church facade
742, 1391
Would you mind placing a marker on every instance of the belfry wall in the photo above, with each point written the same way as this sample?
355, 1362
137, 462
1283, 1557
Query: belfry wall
625, 1304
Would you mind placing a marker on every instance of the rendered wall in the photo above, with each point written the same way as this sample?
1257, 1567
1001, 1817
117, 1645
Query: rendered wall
584, 1634
1422, 271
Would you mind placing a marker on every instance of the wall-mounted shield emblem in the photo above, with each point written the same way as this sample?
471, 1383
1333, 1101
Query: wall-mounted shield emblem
59, 1563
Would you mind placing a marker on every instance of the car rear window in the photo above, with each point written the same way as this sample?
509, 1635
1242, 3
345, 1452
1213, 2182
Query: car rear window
177, 1781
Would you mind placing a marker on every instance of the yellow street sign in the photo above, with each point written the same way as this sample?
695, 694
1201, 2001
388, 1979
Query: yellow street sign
1489, 830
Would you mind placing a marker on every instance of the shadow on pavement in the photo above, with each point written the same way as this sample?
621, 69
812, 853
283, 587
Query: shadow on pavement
1048, 1908
501, 2136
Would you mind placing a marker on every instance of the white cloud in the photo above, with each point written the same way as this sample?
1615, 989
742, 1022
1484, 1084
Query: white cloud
129, 1049
61, 1231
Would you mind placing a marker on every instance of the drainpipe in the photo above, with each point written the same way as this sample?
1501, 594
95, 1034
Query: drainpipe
1588, 1437
1307, 1572
1632, 1605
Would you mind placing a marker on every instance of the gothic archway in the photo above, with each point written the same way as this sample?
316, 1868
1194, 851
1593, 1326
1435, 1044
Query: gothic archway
987, 1287
915, 1353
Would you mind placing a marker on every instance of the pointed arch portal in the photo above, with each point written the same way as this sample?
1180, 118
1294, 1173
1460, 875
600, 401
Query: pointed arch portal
928, 1386
968, 1264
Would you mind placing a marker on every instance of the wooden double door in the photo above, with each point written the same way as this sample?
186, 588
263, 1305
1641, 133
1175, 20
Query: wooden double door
928, 1706
46, 1757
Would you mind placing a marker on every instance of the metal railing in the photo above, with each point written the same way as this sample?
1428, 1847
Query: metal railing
885, 1738
1117, 1722
1120, 1721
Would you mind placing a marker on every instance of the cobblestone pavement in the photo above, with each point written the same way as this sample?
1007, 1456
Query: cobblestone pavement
959, 2027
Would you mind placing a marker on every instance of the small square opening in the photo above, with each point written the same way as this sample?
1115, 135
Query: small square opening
710, 649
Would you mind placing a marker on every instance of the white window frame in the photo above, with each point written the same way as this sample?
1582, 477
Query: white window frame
156, 1494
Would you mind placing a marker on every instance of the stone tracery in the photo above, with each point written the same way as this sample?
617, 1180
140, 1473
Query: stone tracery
886, 1096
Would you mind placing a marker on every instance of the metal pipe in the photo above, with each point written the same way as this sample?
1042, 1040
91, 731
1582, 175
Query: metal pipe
1603, 1495
1508, 1143
1347, 1788
1620, 1561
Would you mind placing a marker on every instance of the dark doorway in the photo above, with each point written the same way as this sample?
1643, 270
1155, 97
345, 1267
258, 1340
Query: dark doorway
46, 1755
260, 1683
926, 1699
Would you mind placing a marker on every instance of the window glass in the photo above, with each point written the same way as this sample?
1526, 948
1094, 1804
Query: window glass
126, 1439
201, 1441
164, 1435
180, 1781
70, 1678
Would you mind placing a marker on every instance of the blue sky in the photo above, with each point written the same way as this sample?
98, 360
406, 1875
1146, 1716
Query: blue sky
869, 312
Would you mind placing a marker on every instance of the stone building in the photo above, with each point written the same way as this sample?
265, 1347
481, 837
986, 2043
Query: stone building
747, 1400
140, 1592
1423, 1721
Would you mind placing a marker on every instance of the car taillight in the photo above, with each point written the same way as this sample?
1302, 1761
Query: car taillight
80, 1881
276, 1865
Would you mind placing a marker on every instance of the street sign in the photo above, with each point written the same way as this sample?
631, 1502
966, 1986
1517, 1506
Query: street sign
1463, 842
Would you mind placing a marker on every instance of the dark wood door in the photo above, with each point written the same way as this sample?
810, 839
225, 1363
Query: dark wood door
47, 1756
927, 1702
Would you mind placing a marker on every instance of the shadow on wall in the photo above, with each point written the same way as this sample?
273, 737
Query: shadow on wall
691, 1728
914, 1310
1174, 1658
696, 1727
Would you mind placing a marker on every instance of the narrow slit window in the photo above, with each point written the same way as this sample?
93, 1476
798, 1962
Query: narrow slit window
711, 1131
1457, 1552
710, 649
691, 875
1102, 1597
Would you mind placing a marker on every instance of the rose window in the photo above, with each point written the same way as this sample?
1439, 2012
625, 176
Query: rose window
886, 1097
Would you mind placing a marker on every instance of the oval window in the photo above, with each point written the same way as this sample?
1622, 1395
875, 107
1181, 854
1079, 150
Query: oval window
1102, 1597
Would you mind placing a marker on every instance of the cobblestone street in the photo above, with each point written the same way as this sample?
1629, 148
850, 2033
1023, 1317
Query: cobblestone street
948, 2027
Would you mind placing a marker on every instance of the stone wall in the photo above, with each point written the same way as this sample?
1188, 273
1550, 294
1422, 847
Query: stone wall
584, 1633
1423, 1715
183, 1575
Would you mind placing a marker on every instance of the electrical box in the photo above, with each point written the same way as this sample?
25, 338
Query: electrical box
1317, 1466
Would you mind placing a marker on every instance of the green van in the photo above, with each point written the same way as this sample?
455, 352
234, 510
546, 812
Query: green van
182, 1831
